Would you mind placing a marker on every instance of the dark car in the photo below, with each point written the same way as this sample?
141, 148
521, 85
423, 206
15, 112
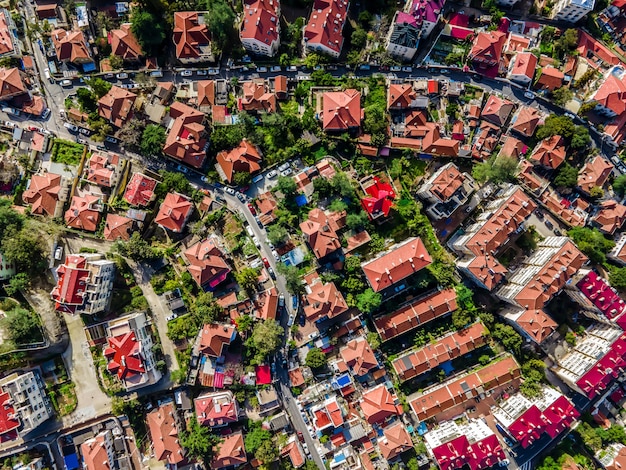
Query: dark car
272, 273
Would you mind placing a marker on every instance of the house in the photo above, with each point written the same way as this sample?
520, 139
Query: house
44, 192
522, 68
164, 425
618, 253
416, 313
550, 78
525, 121
174, 212
457, 394
140, 190
395, 441
448, 348
294, 451
359, 357
612, 456
186, 141
268, 401
323, 301
400, 96
84, 212
446, 190
207, 265
25, 405
70, 46
280, 87
549, 153
230, 453
9, 42
215, 338
124, 44
327, 414
191, 37
526, 420
512, 148
85, 284
378, 404
129, 351
470, 444
206, 95
379, 197
323, 32
397, 264
11, 83
260, 28
610, 217
258, 97
245, 158
320, 231
266, 204
594, 174
497, 110
487, 48
102, 170
341, 109
266, 304
118, 227
116, 106
216, 409
610, 97
98, 452
529, 179
572, 11
403, 37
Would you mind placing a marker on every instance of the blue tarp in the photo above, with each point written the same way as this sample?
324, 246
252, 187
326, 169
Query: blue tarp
89, 67
301, 200
447, 367
71, 462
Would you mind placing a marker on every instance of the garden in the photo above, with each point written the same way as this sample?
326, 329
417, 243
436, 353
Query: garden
67, 152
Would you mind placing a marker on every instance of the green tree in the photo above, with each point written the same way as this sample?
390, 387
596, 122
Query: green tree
461, 318
357, 220
619, 185
22, 326
172, 182
617, 277
286, 185
199, 441
244, 323
293, 281
589, 436
242, 178
358, 38
19, 282
581, 138
497, 169
556, 125
99, 87
561, 96
373, 339
510, 339
316, 359
221, 22
136, 248
256, 437
342, 185
368, 301
152, 140
148, 31
266, 338
266, 453
248, 278
592, 243
206, 309
116, 62
26, 250
596, 192
130, 133
277, 235
86, 100
566, 177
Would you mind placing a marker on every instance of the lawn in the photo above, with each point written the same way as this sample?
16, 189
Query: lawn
69, 153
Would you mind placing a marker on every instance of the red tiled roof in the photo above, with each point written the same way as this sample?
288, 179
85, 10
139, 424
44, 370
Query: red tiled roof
117, 106
185, 140
261, 21
295, 454
497, 110
550, 152
341, 110
380, 198
10, 82
396, 441
164, 434
400, 96
487, 47
377, 404
214, 338
95, 455
611, 216
206, 93
447, 183
525, 65
215, 413
124, 355
189, 35
206, 263
612, 94
324, 301
100, 169
73, 277
590, 48
43, 193
83, 214
140, 190
8, 419
230, 452
257, 98
266, 304
358, 355
326, 23
537, 324
594, 173
70, 45
488, 270
244, 158
398, 264
174, 212
117, 226
124, 44
320, 230
296, 378
597, 379
416, 313
554, 203
550, 79
527, 121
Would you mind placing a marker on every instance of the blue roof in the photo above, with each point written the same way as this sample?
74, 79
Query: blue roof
89, 66
71, 462
301, 200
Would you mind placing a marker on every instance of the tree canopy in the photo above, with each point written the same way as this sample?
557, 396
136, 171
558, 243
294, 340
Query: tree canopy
136, 248
368, 301
248, 278
172, 182
22, 326
221, 20
566, 176
293, 281
315, 358
619, 185
152, 140
148, 30
265, 339
592, 243
497, 169
199, 441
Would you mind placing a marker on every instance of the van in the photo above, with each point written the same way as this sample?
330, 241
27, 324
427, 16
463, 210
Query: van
46, 74
249, 230
66, 83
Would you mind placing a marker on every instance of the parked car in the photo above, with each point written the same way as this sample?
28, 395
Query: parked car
241, 197
186, 73
272, 273
530, 95
182, 169
292, 68
571, 116
275, 255
65, 83
109, 76
171, 317
276, 68
84, 131
407, 68
549, 224
266, 262
58, 253
214, 71
262, 69
202, 73
122, 76
504, 463
286, 172
396, 68
71, 127
46, 114
252, 209
81, 141
283, 167
258, 221
230, 191
101, 147
257, 178
110, 139
272, 174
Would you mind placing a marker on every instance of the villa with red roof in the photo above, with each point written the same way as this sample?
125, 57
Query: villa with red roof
191, 37
186, 139
470, 444
610, 97
206, 263
522, 68
129, 352
25, 405
118, 227
397, 264
98, 452
215, 339
257, 96
140, 190
124, 44
294, 451
11, 83
85, 284
323, 32
323, 301
395, 441
84, 213
486, 50
116, 107
378, 404
9, 43
216, 409
70, 46
230, 453
341, 110
44, 193
446, 190
526, 420
174, 212
525, 121
357, 354
400, 96
497, 110
416, 313
164, 424
320, 231
610, 217
245, 158
102, 169
549, 153
379, 199
594, 173
260, 28
266, 304
550, 79
327, 414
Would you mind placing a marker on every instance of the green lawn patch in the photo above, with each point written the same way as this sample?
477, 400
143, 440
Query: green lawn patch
69, 153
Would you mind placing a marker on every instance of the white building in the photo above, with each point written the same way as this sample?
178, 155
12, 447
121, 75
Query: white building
324, 31
25, 404
260, 27
403, 37
572, 10
98, 452
618, 253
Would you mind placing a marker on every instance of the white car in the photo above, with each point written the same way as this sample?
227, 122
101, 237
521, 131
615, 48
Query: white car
262, 69
71, 127
292, 68
186, 73
286, 172
45, 114
122, 76
66, 83
214, 71
201, 72
230, 191
571, 116
396, 68
272, 174
530, 95
171, 317
276, 68
275, 255
283, 167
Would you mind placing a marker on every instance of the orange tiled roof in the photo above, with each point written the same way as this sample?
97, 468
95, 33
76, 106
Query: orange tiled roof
358, 355
488, 270
164, 434
550, 79
320, 230
594, 173
206, 93
117, 226
117, 106
550, 152
378, 403
400, 96
396, 440
261, 21
326, 23
342, 110
527, 121
525, 64
324, 301
189, 35
186, 138
611, 216
214, 338
83, 214
10, 82
124, 44
174, 212
497, 110
206, 263
230, 452
244, 158
257, 98
447, 183
43, 193
488, 47
70, 46
612, 94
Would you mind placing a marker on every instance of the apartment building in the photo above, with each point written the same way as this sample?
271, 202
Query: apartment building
260, 27
572, 11
25, 404
323, 32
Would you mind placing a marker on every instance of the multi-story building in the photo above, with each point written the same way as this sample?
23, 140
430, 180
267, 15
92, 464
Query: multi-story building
9, 42
324, 31
98, 452
260, 27
129, 351
85, 284
597, 299
24, 404
572, 11
446, 190
404, 36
